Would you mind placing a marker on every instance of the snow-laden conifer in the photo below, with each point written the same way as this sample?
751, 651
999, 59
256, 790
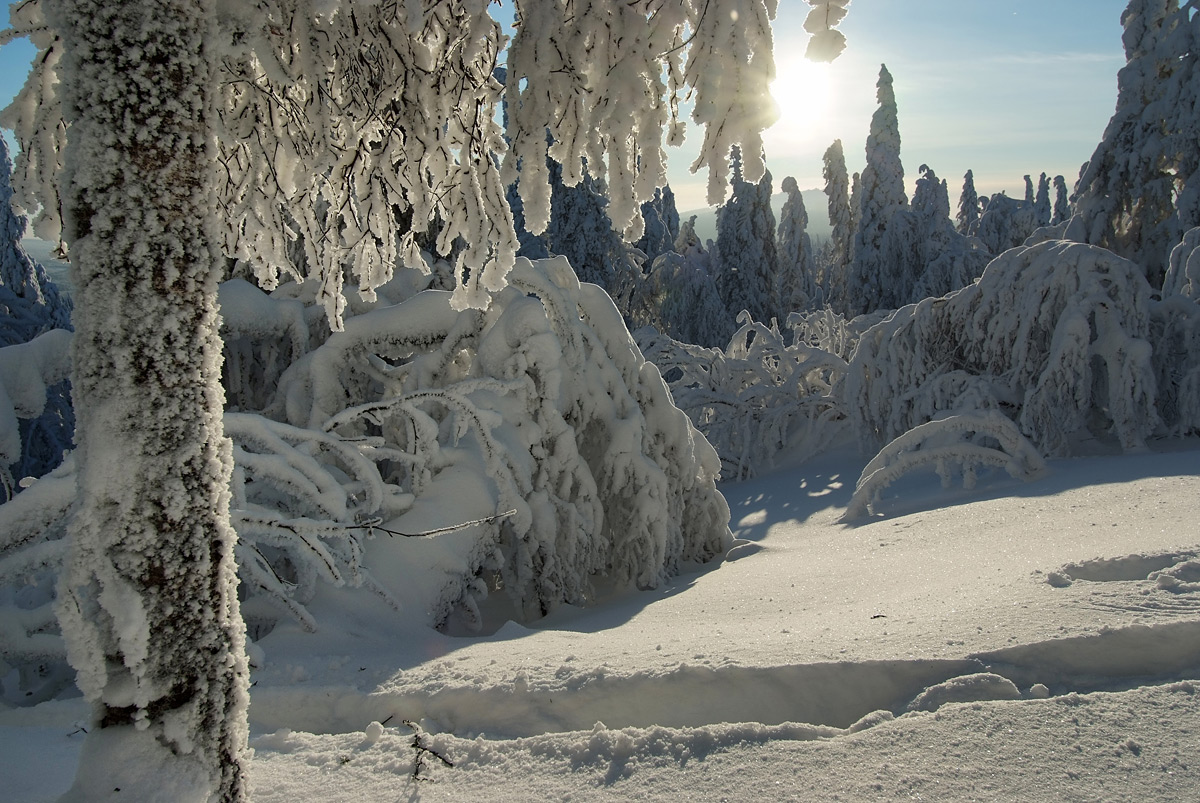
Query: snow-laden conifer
744, 251
881, 195
661, 220
1062, 204
34, 436
841, 221
678, 296
1140, 192
968, 206
1042, 211
1005, 223
795, 284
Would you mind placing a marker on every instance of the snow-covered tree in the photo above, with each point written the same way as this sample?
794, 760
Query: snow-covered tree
661, 220
1041, 203
940, 259
579, 229
333, 116
841, 221
1140, 191
1029, 197
149, 605
32, 442
744, 251
795, 285
1005, 223
31, 301
1062, 205
678, 296
881, 195
968, 206
1055, 336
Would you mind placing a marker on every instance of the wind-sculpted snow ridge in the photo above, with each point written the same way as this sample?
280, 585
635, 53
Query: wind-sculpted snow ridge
795, 702
755, 398
1055, 336
955, 440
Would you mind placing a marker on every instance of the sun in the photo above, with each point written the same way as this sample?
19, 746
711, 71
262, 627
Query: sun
803, 93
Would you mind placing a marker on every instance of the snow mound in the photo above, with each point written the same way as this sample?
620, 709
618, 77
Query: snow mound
966, 689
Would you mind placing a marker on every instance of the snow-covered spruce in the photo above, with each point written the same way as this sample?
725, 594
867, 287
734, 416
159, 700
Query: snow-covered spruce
964, 440
1055, 336
147, 600
744, 255
1175, 333
756, 397
678, 296
1140, 191
837, 190
543, 405
881, 195
795, 281
968, 206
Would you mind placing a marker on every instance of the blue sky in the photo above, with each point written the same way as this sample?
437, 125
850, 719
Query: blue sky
1001, 88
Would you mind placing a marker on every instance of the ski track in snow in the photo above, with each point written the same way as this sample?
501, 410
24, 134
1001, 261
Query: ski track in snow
788, 671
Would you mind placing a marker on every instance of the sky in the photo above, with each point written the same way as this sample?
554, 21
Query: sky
1000, 88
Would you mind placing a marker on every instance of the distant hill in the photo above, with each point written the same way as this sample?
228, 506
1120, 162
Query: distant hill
814, 201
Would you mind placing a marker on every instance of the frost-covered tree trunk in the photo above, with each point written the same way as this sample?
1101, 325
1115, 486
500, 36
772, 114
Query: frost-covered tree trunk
148, 599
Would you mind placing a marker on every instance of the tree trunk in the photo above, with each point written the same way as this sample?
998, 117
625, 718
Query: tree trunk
148, 599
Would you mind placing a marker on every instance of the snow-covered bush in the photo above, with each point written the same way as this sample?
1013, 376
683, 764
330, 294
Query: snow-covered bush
418, 418
756, 398
1054, 336
542, 405
967, 440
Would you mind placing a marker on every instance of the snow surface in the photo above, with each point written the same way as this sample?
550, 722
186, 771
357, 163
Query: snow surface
819, 661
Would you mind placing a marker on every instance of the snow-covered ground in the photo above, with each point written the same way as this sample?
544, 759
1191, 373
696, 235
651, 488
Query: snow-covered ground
1046, 636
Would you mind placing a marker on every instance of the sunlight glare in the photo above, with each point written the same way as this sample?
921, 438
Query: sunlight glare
803, 92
